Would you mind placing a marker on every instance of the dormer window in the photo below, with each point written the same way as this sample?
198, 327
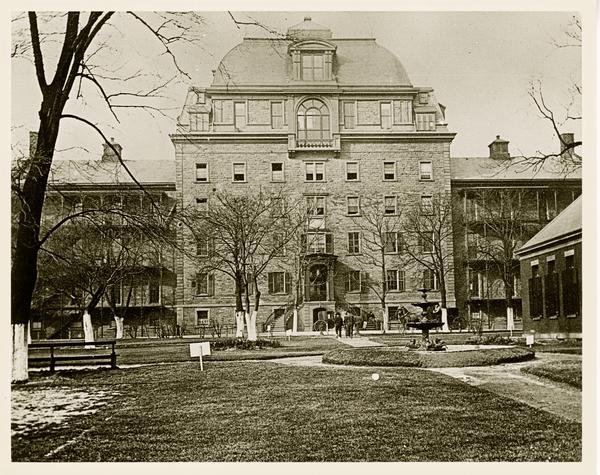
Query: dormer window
313, 66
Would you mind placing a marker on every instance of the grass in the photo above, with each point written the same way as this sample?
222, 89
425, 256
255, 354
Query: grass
262, 411
178, 350
566, 371
395, 356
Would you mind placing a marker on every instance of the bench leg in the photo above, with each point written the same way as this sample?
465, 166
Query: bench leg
113, 358
52, 360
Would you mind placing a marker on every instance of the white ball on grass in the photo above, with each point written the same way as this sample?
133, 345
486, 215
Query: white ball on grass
375, 376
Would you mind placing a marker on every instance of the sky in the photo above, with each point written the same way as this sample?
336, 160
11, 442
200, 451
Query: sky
480, 64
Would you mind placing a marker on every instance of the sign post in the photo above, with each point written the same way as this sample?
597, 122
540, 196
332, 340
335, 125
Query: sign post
200, 349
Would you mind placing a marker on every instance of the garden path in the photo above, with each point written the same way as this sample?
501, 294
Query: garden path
506, 380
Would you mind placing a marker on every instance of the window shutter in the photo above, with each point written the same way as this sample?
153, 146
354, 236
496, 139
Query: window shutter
271, 285
287, 283
211, 284
329, 243
401, 283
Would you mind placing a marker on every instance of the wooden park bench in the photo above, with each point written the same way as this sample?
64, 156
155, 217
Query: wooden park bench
53, 358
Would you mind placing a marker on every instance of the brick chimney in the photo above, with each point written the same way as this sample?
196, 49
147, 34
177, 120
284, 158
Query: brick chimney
109, 154
565, 140
499, 149
33, 139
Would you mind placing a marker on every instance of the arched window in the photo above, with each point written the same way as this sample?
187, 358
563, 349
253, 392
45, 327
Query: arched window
313, 121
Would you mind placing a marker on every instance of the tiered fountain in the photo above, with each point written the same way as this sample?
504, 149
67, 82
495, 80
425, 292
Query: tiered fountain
430, 319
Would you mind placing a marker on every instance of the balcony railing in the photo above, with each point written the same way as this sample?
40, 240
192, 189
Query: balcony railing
302, 145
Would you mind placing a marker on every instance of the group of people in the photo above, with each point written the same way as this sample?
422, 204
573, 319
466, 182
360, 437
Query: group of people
345, 321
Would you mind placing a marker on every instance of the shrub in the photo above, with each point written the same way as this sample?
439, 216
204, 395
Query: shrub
398, 356
491, 340
241, 344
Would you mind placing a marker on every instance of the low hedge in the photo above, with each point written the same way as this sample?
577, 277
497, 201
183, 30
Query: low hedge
397, 356
568, 372
241, 344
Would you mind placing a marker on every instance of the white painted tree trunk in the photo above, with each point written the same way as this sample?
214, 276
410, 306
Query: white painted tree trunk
119, 326
239, 324
385, 320
295, 322
88, 329
29, 333
19, 352
510, 319
251, 325
445, 327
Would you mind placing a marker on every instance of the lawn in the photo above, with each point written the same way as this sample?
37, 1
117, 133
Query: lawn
263, 411
566, 371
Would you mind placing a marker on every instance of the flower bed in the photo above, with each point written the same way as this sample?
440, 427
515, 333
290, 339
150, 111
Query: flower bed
397, 356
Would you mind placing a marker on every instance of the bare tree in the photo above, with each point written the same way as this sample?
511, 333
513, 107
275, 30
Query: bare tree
243, 234
382, 245
62, 66
504, 221
428, 227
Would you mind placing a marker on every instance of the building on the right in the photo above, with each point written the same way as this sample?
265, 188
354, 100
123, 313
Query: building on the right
499, 203
551, 276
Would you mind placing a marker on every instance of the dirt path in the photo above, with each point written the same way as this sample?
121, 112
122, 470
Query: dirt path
506, 380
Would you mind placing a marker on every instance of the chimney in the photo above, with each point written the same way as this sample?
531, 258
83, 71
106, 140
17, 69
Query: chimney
109, 154
499, 149
33, 139
566, 139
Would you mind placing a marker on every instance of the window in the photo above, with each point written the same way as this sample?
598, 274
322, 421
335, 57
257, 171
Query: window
352, 171
202, 172
202, 205
423, 97
425, 171
313, 67
239, 172
315, 209
315, 171
386, 115
536, 308
392, 242
203, 245
201, 317
426, 241
390, 205
198, 122
426, 204
153, 292
571, 286
353, 206
313, 121
204, 283
551, 289
200, 97
349, 115
276, 115
430, 280
395, 280
115, 294
354, 243
353, 281
218, 111
474, 287
389, 171
318, 243
279, 283
277, 172
239, 115
425, 121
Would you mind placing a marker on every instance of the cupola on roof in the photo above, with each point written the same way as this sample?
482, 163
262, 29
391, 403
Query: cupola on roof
309, 29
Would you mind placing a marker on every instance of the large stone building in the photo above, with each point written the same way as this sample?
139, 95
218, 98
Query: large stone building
335, 120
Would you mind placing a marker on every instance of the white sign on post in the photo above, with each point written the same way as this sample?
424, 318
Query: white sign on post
200, 350
529, 339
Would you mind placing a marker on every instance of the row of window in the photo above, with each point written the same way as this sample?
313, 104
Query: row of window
313, 171
313, 118
545, 293
356, 281
152, 293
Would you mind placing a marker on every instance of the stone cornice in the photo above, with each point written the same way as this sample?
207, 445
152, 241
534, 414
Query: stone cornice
301, 87
491, 182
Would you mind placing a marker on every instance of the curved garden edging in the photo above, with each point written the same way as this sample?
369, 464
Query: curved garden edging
397, 356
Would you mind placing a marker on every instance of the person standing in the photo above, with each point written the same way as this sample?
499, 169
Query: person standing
349, 325
337, 321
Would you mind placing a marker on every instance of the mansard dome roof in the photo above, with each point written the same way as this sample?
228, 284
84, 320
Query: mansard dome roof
266, 62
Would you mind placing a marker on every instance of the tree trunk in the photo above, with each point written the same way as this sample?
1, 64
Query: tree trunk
295, 321
251, 325
19, 352
88, 328
239, 323
443, 303
510, 319
384, 316
119, 326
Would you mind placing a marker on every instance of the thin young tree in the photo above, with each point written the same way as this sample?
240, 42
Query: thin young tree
428, 229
